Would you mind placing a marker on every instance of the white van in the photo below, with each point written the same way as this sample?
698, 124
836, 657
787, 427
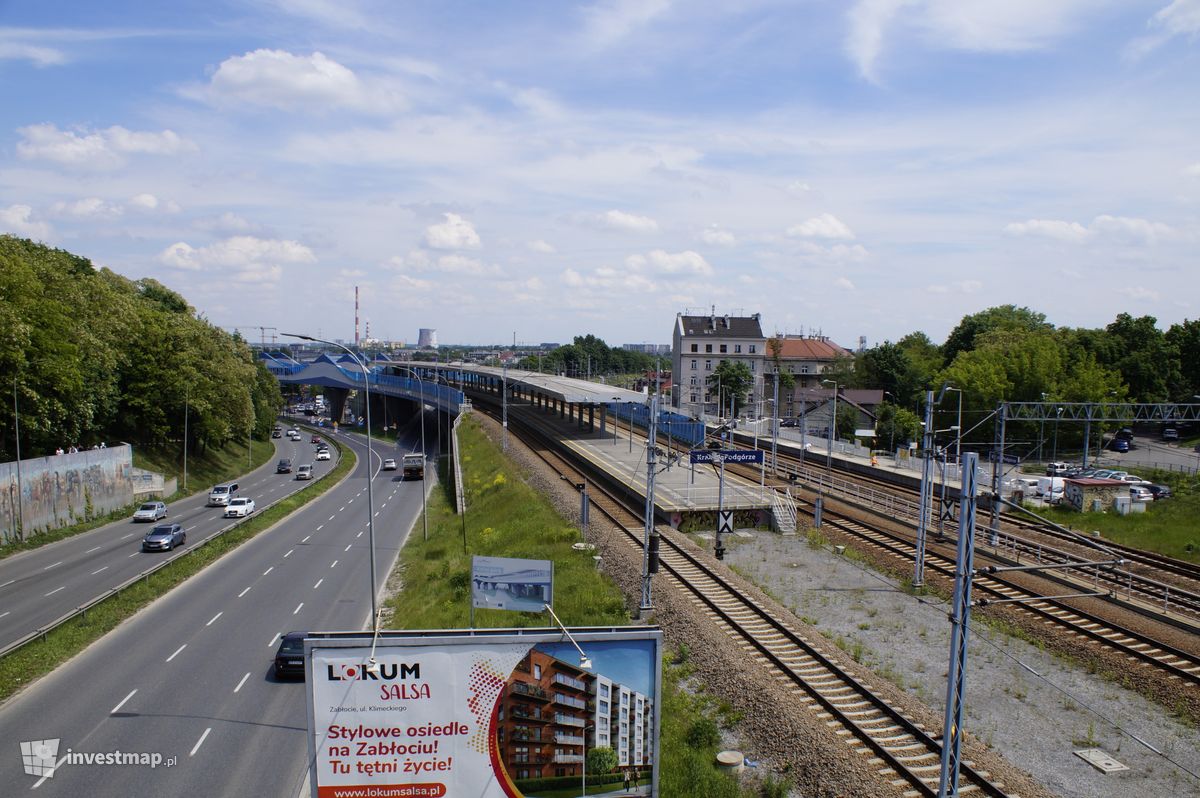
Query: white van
1027, 485
1050, 488
220, 495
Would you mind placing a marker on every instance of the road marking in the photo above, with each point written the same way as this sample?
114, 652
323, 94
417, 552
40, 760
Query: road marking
343, 507
93, 548
48, 567
348, 545
117, 708
269, 570
298, 606
332, 517
243, 681
131, 534
351, 501
218, 615
305, 540
133, 555
332, 564
317, 585
98, 570
9, 582
244, 592
381, 507
3, 614
55, 590
289, 554
359, 535
274, 637
200, 742
181, 648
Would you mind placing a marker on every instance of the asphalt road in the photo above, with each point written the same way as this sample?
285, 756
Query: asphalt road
43, 584
190, 677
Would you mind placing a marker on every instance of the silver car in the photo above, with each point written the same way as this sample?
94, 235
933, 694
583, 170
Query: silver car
151, 511
164, 537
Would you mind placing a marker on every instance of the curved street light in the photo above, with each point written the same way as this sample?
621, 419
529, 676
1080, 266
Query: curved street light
370, 476
424, 454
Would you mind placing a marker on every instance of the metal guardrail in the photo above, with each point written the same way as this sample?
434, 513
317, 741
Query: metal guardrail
81, 611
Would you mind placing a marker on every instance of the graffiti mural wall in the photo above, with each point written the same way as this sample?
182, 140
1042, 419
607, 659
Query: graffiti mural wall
61, 489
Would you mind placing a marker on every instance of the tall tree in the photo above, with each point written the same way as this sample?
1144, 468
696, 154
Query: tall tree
732, 380
962, 338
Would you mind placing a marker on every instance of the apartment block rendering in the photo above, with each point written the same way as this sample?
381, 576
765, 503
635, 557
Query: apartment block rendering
552, 713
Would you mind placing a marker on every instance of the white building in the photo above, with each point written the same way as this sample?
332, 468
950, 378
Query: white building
427, 338
624, 722
699, 344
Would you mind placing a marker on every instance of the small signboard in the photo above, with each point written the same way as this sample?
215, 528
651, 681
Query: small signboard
505, 583
725, 522
727, 455
1009, 459
440, 714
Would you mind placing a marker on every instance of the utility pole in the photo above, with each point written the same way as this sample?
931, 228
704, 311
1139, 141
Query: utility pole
926, 493
650, 538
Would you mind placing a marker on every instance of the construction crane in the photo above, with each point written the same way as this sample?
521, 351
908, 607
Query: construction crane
262, 332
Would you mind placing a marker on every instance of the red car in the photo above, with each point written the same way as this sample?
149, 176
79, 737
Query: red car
316, 439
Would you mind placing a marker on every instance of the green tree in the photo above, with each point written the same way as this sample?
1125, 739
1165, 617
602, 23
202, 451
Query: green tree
1184, 338
1148, 363
1005, 317
732, 380
776, 373
601, 760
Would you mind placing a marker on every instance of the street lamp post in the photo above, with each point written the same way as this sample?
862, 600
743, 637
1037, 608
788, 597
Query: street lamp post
1057, 416
832, 432
424, 453
370, 457
20, 489
186, 399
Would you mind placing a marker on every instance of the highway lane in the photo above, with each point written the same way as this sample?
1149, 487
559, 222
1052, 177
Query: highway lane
191, 676
43, 584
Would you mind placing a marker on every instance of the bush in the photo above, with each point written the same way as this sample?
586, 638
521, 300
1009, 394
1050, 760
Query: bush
704, 734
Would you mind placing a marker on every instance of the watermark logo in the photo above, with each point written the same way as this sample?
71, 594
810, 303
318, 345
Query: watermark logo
39, 757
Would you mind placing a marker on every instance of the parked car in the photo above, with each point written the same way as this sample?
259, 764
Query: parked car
284, 467
1170, 435
1159, 491
239, 508
164, 537
389, 464
1057, 469
1119, 445
150, 511
304, 472
789, 422
1134, 479
289, 657
1124, 433
1139, 493
323, 454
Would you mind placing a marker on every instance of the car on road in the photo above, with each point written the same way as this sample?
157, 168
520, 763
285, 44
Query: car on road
220, 495
289, 657
239, 508
1170, 435
151, 511
323, 454
276, 433
164, 537
304, 472
284, 467
316, 439
389, 464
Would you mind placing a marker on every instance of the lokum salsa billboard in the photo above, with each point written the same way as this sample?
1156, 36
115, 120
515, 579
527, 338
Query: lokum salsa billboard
506, 713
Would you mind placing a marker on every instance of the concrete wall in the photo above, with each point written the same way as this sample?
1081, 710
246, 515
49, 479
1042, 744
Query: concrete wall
57, 489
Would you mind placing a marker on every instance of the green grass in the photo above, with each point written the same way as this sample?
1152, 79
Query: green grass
217, 465
1167, 527
507, 518
44, 655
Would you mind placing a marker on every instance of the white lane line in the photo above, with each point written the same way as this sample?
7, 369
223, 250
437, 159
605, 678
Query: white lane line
351, 501
289, 554
332, 517
214, 618
274, 637
131, 534
269, 570
93, 548
306, 539
200, 742
9, 582
117, 708
298, 606
359, 535
348, 545
173, 656
98, 570
55, 590
317, 585
332, 564
343, 507
133, 555
243, 681
381, 507
244, 592
2, 614
322, 526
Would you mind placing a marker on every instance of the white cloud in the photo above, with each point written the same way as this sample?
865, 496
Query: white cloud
246, 259
824, 226
39, 56
844, 283
1111, 228
279, 79
544, 247
1139, 292
1193, 170
101, 149
87, 208
797, 188
718, 237
618, 220
461, 264
150, 203
454, 233
606, 280
1180, 18
868, 21
610, 21
663, 262
18, 219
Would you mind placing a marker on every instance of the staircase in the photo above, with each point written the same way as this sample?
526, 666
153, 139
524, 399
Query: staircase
783, 512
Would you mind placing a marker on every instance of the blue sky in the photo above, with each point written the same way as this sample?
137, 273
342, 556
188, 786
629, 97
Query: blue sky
863, 168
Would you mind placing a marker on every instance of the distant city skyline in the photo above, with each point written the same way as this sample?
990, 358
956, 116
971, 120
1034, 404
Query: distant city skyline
870, 168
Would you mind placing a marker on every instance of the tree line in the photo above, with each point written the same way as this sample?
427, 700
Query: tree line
589, 355
89, 356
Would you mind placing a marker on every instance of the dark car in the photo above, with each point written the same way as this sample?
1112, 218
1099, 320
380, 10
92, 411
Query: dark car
1159, 491
316, 439
277, 433
284, 467
289, 658
789, 422
164, 537
1124, 433
1119, 444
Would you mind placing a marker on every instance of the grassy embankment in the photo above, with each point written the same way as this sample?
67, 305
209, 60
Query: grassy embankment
507, 518
57, 646
215, 465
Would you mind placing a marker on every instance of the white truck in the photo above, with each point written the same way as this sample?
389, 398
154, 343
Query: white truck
414, 466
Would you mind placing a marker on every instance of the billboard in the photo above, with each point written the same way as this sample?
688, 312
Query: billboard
494, 713
506, 583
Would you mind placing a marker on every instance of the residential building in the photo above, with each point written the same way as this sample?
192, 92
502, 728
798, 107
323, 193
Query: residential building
543, 718
699, 343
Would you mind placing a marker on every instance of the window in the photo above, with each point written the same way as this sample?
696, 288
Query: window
753, 348
708, 348
537, 671
737, 349
694, 362
724, 349
695, 347
753, 363
803, 369
708, 365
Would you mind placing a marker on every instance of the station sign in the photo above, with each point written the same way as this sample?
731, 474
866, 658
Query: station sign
450, 713
1009, 459
727, 455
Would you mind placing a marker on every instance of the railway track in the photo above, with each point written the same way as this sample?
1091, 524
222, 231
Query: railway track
899, 748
